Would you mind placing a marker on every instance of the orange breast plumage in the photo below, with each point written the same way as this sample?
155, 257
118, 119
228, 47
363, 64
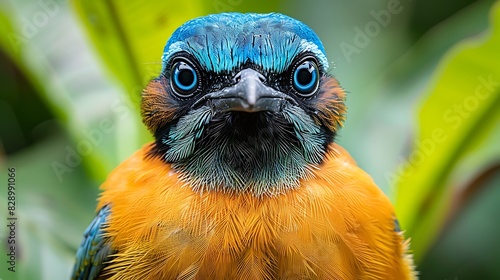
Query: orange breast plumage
336, 225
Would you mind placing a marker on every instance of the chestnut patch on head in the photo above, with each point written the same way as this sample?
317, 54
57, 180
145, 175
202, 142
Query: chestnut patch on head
158, 108
329, 104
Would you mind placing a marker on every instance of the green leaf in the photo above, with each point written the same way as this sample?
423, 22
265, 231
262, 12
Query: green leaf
387, 94
104, 125
465, 249
458, 121
130, 35
51, 215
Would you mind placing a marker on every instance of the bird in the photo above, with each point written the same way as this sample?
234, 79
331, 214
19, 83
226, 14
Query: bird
244, 179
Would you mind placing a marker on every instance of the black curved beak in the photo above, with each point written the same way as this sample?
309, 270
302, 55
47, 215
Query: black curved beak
249, 94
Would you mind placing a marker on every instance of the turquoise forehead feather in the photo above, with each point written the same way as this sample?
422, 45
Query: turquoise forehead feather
222, 42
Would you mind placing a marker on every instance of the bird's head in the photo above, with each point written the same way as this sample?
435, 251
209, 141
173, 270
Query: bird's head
243, 103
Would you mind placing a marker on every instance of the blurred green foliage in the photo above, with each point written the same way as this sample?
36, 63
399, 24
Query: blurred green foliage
72, 73
458, 134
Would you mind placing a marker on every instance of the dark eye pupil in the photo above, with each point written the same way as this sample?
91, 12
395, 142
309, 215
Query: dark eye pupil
186, 77
304, 76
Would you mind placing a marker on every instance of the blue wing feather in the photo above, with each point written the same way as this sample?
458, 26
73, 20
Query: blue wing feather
397, 228
94, 250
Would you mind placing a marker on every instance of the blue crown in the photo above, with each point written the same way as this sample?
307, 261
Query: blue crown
222, 42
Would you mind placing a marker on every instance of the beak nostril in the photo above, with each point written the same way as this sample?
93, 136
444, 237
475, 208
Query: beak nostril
261, 77
237, 78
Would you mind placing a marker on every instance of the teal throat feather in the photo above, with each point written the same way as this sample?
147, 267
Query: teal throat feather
265, 153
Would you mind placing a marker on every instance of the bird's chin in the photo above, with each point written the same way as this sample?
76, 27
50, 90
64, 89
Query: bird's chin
250, 127
234, 150
235, 104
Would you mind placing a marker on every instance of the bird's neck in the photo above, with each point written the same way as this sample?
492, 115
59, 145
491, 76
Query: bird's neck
242, 152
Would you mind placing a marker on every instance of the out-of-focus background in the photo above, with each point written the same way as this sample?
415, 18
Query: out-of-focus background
423, 82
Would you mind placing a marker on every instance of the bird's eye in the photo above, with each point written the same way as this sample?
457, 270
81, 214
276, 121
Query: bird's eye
305, 78
184, 78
